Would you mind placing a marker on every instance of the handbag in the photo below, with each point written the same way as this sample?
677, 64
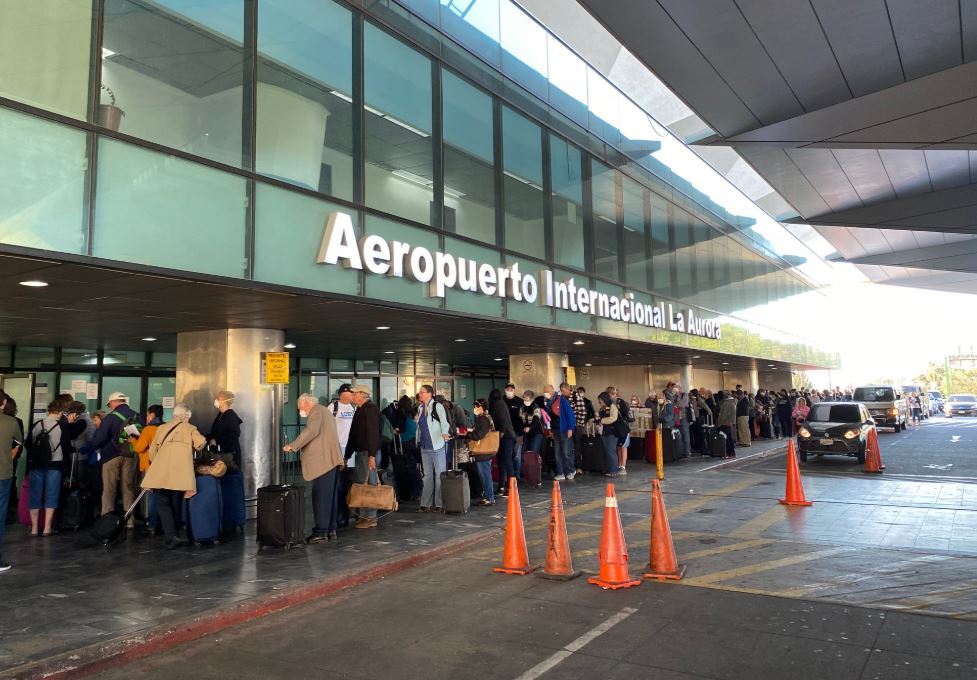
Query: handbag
211, 468
372, 496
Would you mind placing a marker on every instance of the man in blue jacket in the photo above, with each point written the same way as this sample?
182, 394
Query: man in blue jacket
117, 459
562, 423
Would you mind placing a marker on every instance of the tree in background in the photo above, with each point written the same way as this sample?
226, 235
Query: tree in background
961, 380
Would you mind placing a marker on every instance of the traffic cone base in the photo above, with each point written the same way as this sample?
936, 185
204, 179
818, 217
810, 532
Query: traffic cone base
670, 576
542, 573
515, 555
784, 501
609, 585
795, 489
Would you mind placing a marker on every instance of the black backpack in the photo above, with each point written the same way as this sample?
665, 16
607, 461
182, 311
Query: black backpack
625, 410
39, 451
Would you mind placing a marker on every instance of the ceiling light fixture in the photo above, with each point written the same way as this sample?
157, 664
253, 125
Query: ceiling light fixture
697, 356
383, 328
498, 359
149, 339
588, 364
290, 345
34, 283
389, 352
460, 340
578, 342
725, 363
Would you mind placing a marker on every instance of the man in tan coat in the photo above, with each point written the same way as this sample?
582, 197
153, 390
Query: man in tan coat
321, 462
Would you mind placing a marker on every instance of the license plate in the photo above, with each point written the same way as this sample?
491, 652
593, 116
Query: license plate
827, 442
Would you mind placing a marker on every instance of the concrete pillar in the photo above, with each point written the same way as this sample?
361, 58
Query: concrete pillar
754, 380
534, 371
209, 361
686, 380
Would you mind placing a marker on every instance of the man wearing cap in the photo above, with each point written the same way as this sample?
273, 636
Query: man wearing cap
342, 410
364, 441
118, 465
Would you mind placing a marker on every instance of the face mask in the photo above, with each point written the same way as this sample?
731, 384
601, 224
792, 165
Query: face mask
304, 414
547, 394
527, 402
509, 394
217, 404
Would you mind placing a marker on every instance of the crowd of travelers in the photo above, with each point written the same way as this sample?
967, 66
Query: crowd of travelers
82, 465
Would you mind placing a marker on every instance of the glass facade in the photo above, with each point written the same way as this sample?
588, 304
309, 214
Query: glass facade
228, 131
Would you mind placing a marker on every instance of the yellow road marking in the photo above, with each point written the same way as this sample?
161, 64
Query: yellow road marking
722, 549
760, 523
934, 598
850, 579
764, 566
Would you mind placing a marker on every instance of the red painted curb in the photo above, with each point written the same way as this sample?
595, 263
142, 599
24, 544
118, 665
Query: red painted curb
122, 650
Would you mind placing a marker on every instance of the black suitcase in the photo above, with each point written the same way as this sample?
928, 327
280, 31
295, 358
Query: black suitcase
549, 455
456, 495
670, 445
111, 527
594, 457
76, 506
716, 443
407, 475
281, 516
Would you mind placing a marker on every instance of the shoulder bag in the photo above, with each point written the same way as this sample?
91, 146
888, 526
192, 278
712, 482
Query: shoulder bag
487, 444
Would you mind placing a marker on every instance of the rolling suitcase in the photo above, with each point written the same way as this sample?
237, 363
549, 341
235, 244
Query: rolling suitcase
281, 516
456, 494
407, 476
75, 506
204, 511
111, 527
593, 457
651, 447
670, 445
232, 496
532, 468
716, 443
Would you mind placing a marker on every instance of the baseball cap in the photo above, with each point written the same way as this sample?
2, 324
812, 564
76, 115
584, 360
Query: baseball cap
345, 387
365, 389
118, 396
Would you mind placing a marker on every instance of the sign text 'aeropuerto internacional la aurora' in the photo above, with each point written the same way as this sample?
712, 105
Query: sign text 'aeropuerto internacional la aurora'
441, 271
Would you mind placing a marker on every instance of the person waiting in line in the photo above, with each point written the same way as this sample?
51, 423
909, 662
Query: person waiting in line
322, 461
583, 412
507, 440
562, 423
726, 420
45, 464
225, 431
800, 412
141, 444
118, 463
530, 419
682, 410
610, 421
364, 442
408, 443
743, 420
11, 438
433, 430
170, 475
483, 461
514, 403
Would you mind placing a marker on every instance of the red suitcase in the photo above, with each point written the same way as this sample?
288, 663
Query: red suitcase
651, 447
532, 468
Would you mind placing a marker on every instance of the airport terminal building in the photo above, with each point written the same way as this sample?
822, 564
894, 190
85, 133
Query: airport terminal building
395, 193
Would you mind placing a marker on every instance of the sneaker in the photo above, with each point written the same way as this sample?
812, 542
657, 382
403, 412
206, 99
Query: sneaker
4, 566
315, 539
571, 475
560, 478
622, 471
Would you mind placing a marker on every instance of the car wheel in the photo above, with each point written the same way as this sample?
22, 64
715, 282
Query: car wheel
860, 455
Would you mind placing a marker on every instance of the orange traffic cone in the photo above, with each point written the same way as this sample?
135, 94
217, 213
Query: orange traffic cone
613, 549
663, 564
873, 457
795, 490
515, 556
558, 563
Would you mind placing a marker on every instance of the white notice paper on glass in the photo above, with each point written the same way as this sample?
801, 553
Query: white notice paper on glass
78, 386
169, 402
91, 391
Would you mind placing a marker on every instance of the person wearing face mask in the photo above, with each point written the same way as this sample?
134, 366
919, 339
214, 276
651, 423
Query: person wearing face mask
515, 407
225, 431
563, 421
583, 411
483, 461
499, 411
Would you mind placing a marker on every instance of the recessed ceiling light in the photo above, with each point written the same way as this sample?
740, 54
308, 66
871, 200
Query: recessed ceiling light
459, 340
290, 345
697, 356
770, 365
578, 342
773, 369
627, 354
383, 328
588, 364
498, 359
725, 363
389, 352
34, 283
149, 339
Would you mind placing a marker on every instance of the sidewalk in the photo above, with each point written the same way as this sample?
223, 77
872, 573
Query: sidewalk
67, 593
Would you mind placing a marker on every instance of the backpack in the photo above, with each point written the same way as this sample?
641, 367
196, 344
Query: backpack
625, 410
386, 430
123, 445
40, 452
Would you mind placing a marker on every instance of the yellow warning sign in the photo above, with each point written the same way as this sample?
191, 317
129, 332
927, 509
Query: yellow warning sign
276, 368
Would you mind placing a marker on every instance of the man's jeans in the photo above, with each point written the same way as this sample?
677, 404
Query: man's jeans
363, 473
563, 449
5, 486
433, 462
324, 501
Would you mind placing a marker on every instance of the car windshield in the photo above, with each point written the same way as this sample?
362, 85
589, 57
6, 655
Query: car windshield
828, 413
910, 388
963, 397
874, 394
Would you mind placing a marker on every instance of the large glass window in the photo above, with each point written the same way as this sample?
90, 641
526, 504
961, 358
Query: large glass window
166, 212
661, 254
304, 129
565, 163
42, 184
684, 274
635, 256
522, 162
469, 177
397, 126
45, 48
172, 73
604, 201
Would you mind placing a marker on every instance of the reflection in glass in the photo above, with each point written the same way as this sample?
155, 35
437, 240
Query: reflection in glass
172, 73
604, 198
522, 161
475, 24
565, 164
166, 212
469, 178
45, 48
42, 183
397, 126
304, 129
661, 258
635, 230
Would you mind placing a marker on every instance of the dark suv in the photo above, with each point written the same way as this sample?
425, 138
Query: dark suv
835, 428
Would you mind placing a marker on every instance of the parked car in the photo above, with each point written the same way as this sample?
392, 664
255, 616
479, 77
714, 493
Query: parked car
924, 398
936, 402
961, 405
886, 405
835, 428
